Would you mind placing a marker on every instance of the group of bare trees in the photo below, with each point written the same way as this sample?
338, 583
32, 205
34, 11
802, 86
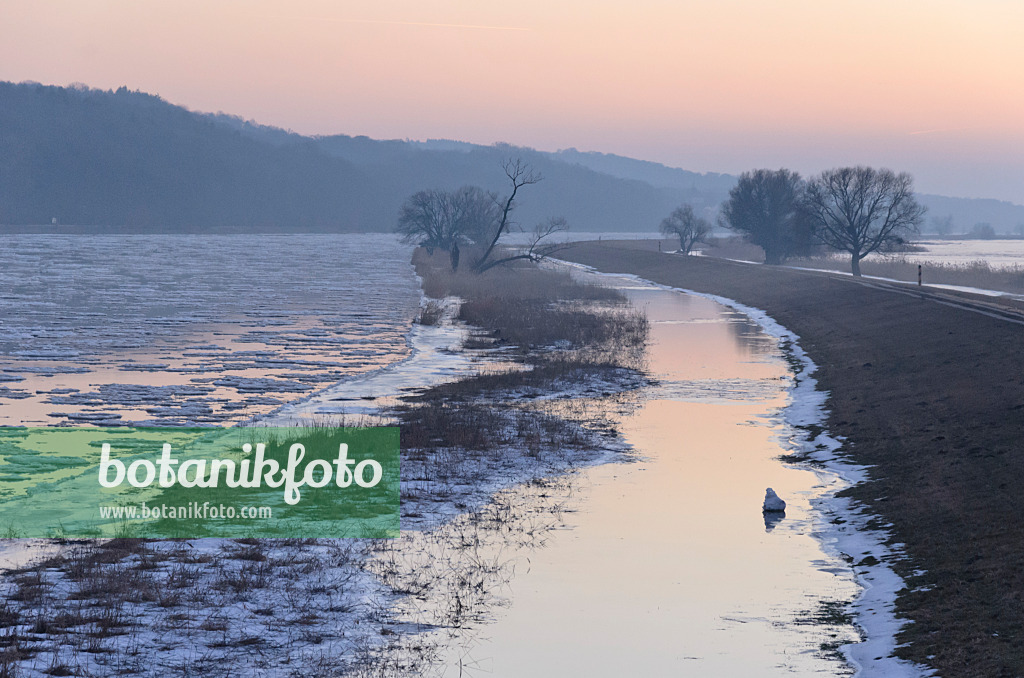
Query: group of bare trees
471, 216
438, 219
856, 210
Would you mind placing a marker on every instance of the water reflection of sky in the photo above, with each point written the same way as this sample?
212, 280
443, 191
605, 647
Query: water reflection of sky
668, 566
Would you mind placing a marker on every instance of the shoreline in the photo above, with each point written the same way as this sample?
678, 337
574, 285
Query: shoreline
924, 393
806, 414
561, 647
346, 598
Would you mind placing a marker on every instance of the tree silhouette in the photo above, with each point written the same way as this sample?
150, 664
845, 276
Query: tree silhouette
860, 210
766, 207
519, 174
687, 226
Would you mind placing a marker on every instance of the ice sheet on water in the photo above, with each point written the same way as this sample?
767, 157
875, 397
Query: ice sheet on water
266, 315
50, 370
13, 393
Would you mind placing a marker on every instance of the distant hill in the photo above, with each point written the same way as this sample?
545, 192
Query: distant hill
653, 173
89, 157
130, 161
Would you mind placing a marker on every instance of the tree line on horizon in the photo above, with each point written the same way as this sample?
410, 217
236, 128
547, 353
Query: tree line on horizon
855, 210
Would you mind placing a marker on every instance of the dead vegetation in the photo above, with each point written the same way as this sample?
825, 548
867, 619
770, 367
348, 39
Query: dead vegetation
150, 608
525, 308
216, 607
565, 347
895, 266
563, 338
979, 274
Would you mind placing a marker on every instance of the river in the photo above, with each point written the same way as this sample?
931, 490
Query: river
668, 566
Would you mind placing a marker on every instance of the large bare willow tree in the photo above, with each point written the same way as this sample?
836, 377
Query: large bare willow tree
765, 207
519, 174
441, 220
860, 210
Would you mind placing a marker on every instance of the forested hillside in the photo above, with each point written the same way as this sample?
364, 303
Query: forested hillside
100, 158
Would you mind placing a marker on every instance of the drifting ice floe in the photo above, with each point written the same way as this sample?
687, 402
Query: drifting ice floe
772, 502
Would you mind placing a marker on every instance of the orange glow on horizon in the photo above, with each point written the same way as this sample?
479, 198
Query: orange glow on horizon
697, 84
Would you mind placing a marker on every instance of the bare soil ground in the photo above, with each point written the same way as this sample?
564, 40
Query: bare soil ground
927, 387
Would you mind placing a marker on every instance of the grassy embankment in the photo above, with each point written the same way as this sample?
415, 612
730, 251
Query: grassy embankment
931, 398
896, 266
139, 607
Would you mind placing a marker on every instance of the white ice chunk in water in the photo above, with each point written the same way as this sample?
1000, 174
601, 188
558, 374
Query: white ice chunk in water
772, 502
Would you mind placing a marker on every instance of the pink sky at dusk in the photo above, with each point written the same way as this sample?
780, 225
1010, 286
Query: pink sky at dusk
934, 87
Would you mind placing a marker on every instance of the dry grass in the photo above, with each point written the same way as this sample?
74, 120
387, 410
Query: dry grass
528, 308
349, 607
504, 282
150, 608
973, 274
431, 313
565, 336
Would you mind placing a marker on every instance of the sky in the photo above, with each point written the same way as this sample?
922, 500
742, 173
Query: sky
932, 87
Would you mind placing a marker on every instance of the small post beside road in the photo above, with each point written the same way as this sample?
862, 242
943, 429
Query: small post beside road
919, 275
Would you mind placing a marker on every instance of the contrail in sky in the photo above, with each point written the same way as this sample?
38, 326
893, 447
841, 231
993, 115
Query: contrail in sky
423, 23
394, 23
941, 129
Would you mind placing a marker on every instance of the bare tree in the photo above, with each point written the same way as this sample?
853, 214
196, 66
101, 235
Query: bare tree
766, 207
687, 226
422, 219
861, 210
476, 214
539, 246
519, 174
472, 216
442, 219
